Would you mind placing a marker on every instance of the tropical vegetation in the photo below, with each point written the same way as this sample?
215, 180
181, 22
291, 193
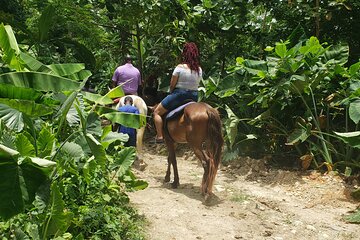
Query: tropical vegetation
285, 76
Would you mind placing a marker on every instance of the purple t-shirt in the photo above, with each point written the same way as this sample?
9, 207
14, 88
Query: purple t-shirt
128, 77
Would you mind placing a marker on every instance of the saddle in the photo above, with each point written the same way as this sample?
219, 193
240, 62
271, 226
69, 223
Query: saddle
177, 111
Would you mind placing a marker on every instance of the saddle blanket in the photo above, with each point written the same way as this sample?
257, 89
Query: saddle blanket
177, 111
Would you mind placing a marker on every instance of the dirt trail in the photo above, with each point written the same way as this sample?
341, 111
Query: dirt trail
250, 202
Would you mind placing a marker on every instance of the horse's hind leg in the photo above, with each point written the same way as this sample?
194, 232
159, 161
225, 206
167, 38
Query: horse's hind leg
205, 163
139, 140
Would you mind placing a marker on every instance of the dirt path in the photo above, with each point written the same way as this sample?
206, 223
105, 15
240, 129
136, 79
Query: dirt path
250, 202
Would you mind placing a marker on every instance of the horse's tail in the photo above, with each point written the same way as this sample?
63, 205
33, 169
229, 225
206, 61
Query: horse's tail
214, 144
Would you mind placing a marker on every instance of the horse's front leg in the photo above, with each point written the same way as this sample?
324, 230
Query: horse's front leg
172, 161
176, 182
168, 170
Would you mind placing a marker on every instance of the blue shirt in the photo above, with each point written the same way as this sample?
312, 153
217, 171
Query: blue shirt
127, 130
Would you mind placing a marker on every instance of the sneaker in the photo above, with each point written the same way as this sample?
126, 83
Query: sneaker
156, 141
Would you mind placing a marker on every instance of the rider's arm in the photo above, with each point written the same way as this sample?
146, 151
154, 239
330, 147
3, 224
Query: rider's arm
173, 82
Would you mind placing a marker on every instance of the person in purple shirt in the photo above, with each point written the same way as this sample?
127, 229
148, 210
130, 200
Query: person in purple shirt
128, 77
129, 108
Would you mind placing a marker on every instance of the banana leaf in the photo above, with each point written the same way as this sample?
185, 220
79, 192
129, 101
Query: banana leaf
126, 119
81, 75
39, 81
10, 48
27, 107
66, 68
32, 64
97, 98
12, 92
115, 92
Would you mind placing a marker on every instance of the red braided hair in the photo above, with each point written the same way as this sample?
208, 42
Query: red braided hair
190, 56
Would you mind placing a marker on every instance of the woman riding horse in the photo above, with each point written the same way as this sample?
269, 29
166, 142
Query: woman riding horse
198, 125
183, 86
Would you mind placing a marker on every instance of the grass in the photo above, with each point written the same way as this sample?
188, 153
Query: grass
240, 197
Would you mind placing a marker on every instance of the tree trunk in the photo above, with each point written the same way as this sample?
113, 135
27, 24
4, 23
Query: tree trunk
138, 41
317, 18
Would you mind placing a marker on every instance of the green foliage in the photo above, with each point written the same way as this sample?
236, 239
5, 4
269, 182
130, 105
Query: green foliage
58, 220
353, 218
43, 116
9, 47
20, 179
308, 82
351, 138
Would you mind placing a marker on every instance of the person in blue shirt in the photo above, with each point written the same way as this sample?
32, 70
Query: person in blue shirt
129, 108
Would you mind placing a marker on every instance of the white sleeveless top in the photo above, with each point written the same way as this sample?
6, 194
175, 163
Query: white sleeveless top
188, 79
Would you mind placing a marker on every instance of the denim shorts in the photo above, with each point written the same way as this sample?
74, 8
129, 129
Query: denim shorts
178, 97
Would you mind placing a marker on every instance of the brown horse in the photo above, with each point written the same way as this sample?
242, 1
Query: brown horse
199, 126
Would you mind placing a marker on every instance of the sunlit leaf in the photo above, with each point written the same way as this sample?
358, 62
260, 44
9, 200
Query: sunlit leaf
27, 107
269, 49
82, 75
354, 69
39, 81
351, 138
354, 111
280, 49
116, 92
254, 66
24, 146
33, 64
97, 98
66, 69
231, 125
126, 119
45, 142
10, 48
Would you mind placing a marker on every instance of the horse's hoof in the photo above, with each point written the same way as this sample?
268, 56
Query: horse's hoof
207, 197
174, 185
167, 179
